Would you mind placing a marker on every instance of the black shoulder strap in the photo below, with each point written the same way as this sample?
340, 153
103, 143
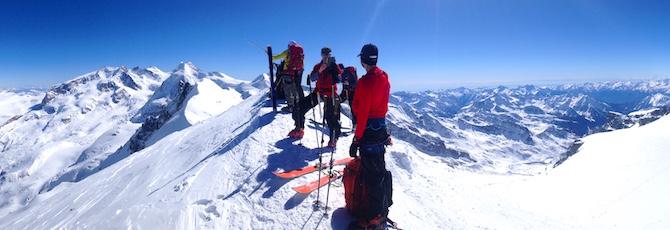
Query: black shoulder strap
392, 224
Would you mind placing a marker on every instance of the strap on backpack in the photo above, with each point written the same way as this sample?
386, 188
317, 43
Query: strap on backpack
392, 224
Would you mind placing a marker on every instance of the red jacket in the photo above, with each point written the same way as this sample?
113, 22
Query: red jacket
371, 98
325, 80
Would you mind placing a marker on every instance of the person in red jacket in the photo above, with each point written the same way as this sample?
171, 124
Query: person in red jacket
370, 105
326, 74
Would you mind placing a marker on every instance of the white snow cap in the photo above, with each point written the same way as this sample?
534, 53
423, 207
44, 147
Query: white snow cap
187, 68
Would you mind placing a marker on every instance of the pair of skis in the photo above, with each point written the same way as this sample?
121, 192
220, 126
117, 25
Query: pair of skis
316, 184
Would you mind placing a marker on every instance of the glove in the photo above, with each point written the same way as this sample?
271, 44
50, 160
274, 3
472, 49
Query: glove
313, 77
353, 149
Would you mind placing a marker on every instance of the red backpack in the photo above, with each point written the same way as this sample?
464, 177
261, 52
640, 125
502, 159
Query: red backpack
355, 192
350, 77
296, 57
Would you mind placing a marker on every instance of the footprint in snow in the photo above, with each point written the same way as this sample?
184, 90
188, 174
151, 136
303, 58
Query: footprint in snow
180, 186
184, 184
402, 160
212, 210
203, 202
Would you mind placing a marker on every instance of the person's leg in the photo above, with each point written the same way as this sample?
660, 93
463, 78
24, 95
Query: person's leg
343, 96
306, 104
295, 95
328, 107
289, 90
298, 84
331, 115
374, 170
336, 117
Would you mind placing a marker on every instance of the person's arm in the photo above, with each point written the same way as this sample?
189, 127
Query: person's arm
282, 55
362, 103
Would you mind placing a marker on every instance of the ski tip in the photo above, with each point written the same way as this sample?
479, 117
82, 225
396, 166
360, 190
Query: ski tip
347, 159
282, 175
302, 190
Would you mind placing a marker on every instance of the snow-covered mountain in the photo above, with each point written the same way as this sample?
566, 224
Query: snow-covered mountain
99, 118
197, 150
518, 130
16, 102
70, 120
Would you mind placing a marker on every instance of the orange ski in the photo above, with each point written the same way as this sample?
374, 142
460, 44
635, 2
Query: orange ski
314, 185
311, 168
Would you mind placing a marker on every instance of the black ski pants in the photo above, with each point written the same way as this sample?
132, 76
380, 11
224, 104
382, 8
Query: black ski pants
331, 112
377, 179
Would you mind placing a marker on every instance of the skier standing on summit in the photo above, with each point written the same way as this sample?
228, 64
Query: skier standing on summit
291, 73
326, 74
370, 106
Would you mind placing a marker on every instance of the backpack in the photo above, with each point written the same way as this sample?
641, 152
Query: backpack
296, 57
349, 75
355, 191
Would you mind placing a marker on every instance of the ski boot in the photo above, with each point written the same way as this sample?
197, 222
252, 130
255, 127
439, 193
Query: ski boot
332, 142
287, 109
297, 133
377, 223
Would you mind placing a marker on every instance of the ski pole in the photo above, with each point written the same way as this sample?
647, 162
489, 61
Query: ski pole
273, 95
323, 120
318, 191
332, 152
316, 133
334, 110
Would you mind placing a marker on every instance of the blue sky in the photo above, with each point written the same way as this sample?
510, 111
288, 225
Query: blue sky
424, 44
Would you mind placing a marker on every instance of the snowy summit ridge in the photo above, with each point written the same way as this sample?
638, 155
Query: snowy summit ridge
143, 148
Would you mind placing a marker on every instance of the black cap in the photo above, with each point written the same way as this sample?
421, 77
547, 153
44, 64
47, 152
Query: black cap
369, 54
325, 50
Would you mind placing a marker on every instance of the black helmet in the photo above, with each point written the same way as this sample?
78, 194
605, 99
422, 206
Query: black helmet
369, 54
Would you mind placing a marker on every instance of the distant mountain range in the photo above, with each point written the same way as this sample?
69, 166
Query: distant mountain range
515, 130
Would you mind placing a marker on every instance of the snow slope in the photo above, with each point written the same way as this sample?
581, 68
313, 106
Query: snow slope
618, 180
